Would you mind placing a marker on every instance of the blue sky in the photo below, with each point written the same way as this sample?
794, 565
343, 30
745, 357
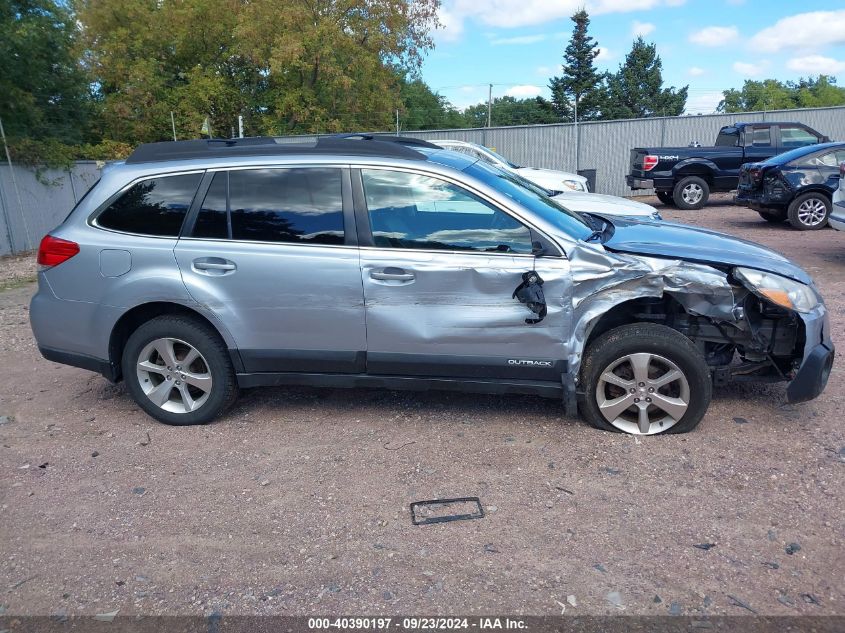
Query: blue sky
711, 45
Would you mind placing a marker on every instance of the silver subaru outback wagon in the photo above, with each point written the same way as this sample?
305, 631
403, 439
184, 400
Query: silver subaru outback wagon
196, 268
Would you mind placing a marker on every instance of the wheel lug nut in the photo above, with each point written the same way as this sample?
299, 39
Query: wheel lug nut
642, 384
647, 399
178, 382
636, 399
651, 389
633, 390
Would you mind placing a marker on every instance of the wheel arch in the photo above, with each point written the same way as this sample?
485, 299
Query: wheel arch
704, 169
628, 313
133, 318
815, 188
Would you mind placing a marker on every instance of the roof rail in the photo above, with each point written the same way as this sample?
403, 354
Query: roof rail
349, 145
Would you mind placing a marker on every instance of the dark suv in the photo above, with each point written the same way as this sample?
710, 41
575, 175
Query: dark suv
199, 267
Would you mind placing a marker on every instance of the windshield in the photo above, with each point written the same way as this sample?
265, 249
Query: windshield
531, 198
498, 156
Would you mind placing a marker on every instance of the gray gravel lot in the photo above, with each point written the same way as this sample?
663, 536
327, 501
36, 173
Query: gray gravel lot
297, 501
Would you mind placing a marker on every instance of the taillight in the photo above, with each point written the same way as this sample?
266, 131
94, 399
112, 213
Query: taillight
756, 174
650, 162
54, 250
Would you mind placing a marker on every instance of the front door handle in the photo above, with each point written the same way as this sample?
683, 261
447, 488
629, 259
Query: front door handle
392, 274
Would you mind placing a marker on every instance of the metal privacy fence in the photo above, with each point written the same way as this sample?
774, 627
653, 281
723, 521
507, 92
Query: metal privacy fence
32, 203
37, 204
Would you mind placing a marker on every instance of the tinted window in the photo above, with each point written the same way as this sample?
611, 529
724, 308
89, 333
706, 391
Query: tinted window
416, 211
760, 137
728, 137
152, 207
212, 220
823, 159
286, 205
796, 137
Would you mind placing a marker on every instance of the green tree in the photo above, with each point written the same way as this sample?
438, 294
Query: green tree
771, 94
288, 66
512, 111
43, 91
424, 109
580, 84
636, 89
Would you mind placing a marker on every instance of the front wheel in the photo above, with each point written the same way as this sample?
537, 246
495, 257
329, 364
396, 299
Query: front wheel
691, 192
644, 379
178, 370
774, 216
809, 212
666, 198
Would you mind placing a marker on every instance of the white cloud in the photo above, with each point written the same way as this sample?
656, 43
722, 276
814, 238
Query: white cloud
703, 103
517, 13
751, 70
641, 28
523, 92
806, 30
816, 65
714, 36
695, 71
451, 27
605, 54
518, 40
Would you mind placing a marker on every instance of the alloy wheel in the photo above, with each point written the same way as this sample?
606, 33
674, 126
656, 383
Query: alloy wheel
692, 193
642, 394
174, 375
812, 212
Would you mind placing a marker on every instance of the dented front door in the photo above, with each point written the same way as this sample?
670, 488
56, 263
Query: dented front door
434, 311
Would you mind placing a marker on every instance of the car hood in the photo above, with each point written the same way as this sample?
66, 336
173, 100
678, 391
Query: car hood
667, 239
532, 173
603, 204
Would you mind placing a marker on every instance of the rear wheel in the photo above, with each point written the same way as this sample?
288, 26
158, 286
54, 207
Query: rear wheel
691, 192
644, 379
775, 216
809, 212
178, 370
666, 198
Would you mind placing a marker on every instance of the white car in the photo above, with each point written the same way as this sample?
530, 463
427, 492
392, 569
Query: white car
580, 201
836, 219
557, 181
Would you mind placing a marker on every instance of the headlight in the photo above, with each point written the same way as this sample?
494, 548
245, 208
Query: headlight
784, 292
575, 185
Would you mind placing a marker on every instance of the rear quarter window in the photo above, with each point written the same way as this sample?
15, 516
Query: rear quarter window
155, 206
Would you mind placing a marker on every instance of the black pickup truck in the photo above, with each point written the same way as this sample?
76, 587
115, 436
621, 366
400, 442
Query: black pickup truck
685, 176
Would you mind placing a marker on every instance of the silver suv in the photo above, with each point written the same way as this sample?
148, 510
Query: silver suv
197, 268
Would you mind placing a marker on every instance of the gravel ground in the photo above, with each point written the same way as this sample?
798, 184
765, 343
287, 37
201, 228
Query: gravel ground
297, 501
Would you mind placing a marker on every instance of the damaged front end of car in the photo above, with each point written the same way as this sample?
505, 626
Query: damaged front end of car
748, 324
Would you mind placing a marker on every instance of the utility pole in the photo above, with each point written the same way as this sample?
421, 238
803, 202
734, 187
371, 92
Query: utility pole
577, 136
173, 124
489, 105
397, 121
240, 126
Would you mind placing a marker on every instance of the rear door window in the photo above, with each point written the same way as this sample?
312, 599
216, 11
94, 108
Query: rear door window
156, 206
796, 137
759, 137
300, 205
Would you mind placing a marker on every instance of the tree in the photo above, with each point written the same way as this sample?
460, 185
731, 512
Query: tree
580, 82
636, 89
288, 66
771, 94
43, 91
424, 109
512, 111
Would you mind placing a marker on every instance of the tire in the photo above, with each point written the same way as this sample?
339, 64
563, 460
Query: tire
775, 216
666, 198
691, 192
809, 212
210, 388
667, 351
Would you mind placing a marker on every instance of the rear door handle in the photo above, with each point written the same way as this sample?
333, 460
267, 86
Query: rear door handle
392, 274
213, 265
